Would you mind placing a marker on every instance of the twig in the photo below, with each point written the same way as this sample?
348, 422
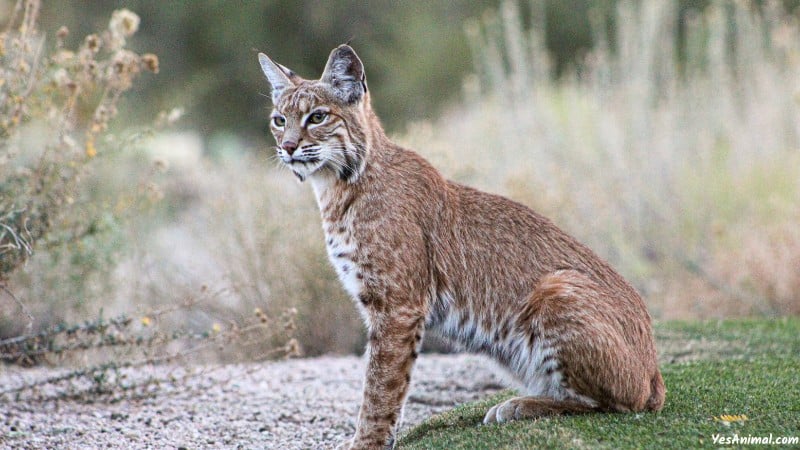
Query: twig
21, 305
29, 346
150, 360
19, 243
13, 19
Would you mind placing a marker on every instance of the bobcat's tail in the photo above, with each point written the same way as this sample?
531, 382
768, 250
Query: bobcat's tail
657, 393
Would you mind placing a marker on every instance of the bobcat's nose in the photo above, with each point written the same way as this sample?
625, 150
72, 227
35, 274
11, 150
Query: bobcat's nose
289, 146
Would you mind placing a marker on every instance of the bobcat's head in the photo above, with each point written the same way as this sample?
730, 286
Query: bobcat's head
321, 125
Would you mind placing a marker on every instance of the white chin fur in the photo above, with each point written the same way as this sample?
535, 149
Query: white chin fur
304, 170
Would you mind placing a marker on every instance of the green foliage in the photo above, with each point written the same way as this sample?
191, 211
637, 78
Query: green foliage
750, 385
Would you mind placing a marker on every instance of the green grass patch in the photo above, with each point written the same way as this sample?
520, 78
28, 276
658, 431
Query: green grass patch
679, 341
733, 367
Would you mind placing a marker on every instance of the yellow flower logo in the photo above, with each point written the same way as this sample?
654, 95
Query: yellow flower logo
728, 419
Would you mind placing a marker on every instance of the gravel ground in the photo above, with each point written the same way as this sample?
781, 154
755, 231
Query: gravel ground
295, 404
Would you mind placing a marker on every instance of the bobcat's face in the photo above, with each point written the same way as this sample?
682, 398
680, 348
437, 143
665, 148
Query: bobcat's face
318, 124
313, 132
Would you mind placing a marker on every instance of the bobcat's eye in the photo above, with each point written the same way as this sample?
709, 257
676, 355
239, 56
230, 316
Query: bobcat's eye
317, 118
279, 121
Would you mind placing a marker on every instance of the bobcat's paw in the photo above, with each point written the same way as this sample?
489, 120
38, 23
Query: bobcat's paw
503, 412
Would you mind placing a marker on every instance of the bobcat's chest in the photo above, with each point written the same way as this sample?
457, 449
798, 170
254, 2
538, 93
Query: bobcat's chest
342, 248
340, 240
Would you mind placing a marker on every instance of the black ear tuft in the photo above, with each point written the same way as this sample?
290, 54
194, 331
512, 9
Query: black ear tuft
344, 72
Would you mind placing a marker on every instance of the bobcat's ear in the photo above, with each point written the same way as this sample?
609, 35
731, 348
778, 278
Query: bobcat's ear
279, 76
344, 72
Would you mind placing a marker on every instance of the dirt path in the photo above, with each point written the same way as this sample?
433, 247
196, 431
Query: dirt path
297, 404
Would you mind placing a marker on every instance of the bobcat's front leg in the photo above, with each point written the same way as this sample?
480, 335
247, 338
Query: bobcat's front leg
392, 349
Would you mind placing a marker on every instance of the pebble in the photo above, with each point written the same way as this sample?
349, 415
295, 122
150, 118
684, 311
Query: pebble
296, 404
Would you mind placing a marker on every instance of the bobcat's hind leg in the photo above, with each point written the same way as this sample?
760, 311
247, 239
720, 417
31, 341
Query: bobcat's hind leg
519, 408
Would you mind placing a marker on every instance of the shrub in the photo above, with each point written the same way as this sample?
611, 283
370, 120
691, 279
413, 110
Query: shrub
57, 106
72, 202
55, 112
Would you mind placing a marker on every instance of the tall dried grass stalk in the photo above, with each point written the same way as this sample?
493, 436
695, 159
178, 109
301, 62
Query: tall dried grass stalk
664, 154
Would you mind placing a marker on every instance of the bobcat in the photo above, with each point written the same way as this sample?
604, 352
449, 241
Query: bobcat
418, 252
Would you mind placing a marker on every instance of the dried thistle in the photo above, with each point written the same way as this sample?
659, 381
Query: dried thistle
93, 43
150, 62
62, 32
123, 24
125, 65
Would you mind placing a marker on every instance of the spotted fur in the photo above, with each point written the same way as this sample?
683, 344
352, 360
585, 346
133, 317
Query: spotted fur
418, 252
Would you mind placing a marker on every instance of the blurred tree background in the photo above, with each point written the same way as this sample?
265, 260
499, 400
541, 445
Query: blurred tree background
415, 51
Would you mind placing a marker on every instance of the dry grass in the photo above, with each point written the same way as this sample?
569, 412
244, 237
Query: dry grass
251, 234
665, 166
273, 251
